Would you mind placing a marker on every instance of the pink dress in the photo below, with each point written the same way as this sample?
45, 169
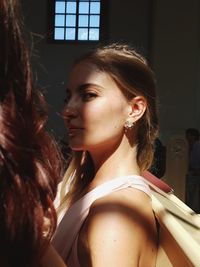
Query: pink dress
66, 235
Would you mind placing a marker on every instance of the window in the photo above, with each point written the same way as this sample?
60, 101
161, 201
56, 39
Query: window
77, 20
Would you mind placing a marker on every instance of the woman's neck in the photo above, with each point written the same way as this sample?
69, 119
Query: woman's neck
113, 163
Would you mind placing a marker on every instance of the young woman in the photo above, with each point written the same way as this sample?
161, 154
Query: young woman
30, 163
106, 217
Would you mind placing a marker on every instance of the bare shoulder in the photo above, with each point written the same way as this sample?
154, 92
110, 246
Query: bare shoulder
128, 205
119, 228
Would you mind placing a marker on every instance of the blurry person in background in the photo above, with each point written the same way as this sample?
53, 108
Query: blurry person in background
193, 175
30, 162
192, 136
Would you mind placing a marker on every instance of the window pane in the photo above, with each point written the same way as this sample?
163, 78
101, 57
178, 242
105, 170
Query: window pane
94, 21
71, 20
83, 34
95, 8
59, 20
60, 7
84, 8
83, 21
94, 34
71, 7
59, 34
77, 20
70, 34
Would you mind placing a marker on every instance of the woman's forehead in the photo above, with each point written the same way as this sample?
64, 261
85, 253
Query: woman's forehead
85, 65
86, 72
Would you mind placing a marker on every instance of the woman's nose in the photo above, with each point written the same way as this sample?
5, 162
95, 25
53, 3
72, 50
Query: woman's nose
69, 112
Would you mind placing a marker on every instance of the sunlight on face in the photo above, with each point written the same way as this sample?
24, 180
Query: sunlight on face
96, 109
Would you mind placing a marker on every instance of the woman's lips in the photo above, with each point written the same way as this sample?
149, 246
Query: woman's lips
72, 129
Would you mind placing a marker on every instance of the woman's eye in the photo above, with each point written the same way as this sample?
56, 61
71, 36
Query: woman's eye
87, 96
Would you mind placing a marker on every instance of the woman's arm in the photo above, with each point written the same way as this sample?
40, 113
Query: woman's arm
52, 259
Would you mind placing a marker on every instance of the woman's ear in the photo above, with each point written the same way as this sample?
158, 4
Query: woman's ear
138, 107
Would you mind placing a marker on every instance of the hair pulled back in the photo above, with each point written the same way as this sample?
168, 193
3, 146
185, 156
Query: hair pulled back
133, 75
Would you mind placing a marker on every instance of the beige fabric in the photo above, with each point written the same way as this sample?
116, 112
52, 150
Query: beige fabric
179, 243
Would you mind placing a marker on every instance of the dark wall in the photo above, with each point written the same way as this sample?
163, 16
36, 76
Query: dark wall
176, 61
166, 32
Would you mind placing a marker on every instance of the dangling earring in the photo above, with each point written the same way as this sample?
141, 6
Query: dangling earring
128, 125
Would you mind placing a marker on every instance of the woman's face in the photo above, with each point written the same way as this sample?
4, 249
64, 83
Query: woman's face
96, 109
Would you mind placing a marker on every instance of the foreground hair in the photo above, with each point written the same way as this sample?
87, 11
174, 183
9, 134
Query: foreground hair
30, 164
132, 74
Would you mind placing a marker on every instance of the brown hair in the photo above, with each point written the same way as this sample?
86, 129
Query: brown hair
30, 163
133, 75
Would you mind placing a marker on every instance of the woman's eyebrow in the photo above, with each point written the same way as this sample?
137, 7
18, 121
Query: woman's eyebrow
85, 86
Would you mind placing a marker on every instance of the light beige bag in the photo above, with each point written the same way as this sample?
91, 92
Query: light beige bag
179, 241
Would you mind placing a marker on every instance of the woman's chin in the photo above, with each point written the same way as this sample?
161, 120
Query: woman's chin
76, 148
